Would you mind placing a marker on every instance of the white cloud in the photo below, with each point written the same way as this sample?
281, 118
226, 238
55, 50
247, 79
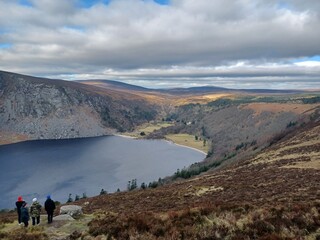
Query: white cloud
312, 64
221, 38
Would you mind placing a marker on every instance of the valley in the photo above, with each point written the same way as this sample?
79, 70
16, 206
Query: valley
273, 195
259, 179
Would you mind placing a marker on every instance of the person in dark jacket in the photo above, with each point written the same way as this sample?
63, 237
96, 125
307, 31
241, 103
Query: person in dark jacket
19, 204
49, 206
25, 214
35, 211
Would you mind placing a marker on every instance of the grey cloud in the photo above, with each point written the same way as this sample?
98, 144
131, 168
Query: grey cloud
56, 37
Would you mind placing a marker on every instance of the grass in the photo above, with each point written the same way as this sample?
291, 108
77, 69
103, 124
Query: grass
57, 230
181, 139
297, 153
213, 222
148, 128
189, 141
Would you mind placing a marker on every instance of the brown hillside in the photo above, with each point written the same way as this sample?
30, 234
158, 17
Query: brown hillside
285, 172
274, 195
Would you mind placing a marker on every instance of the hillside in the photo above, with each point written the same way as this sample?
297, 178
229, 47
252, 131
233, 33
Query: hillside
236, 127
233, 123
273, 195
38, 108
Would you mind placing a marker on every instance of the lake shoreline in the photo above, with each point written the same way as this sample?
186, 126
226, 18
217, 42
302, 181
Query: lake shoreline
164, 139
119, 135
86, 165
181, 145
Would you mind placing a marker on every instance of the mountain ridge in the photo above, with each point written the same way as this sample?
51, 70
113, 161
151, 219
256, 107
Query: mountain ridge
105, 83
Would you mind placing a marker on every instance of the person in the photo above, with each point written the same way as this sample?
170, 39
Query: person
25, 214
35, 211
19, 204
49, 206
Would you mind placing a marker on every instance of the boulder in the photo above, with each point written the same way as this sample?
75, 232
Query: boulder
72, 210
64, 217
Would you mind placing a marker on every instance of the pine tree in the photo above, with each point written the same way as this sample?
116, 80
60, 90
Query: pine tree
102, 192
69, 198
77, 197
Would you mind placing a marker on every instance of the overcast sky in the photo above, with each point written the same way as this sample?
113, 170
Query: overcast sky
165, 43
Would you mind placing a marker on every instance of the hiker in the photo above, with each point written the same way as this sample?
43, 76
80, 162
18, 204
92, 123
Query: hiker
19, 204
49, 206
35, 211
25, 214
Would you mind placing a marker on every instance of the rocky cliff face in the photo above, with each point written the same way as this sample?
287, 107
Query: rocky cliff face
52, 109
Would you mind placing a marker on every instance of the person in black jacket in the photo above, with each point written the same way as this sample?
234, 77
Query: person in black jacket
19, 204
25, 214
49, 206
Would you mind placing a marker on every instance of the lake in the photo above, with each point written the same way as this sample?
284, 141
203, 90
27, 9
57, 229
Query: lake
77, 166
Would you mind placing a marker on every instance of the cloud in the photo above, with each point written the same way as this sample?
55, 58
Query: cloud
184, 39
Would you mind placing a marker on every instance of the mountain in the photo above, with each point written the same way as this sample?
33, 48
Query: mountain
38, 108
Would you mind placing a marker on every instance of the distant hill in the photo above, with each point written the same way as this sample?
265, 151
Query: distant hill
110, 84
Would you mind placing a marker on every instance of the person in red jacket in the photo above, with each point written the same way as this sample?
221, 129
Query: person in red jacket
19, 204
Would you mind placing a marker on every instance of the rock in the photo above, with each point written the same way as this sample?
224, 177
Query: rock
72, 210
64, 217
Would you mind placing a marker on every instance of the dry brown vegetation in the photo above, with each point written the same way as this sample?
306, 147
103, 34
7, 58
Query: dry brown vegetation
264, 200
24, 234
8, 138
278, 107
253, 199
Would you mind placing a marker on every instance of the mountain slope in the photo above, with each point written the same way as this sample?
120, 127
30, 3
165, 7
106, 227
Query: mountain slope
44, 108
294, 162
274, 195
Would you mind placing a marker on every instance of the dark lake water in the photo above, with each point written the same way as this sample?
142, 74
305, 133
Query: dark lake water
77, 166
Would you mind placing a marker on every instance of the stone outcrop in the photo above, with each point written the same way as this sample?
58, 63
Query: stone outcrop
71, 210
64, 217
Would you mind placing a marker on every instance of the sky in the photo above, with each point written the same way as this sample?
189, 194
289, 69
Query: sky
165, 43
